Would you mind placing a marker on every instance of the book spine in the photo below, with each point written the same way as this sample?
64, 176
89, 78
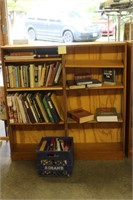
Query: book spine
46, 105
19, 114
11, 76
57, 106
7, 77
10, 108
43, 145
57, 76
54, 71
21, 107
39, 75
14, 108
32, 75
30, 114
31, 107
49, 75
38, 97
36, 75
52, 109
35, 112
82, 76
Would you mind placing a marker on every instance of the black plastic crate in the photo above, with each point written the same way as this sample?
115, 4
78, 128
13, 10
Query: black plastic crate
53, 161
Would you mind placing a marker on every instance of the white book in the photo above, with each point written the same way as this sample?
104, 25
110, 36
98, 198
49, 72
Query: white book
58, 74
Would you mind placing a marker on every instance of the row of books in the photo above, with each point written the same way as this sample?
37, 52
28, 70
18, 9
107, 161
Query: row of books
33, 75
38, 53
34, 108
103, 114
55, 144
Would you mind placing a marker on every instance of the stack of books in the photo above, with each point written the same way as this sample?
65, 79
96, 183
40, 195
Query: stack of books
83, 81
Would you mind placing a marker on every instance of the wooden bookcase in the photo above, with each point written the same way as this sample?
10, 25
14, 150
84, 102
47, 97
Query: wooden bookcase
129, 122
92, 140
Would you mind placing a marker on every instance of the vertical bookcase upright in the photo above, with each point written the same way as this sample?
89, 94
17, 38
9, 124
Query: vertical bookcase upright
129, 123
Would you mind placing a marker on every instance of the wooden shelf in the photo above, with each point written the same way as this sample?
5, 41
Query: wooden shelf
99, 151
32, 60
35, 124
81, 151
103, 87
35, 89
94, 63
120, 120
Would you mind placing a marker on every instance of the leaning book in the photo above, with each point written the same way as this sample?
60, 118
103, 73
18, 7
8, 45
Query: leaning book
109, 76
106, 114
81, 115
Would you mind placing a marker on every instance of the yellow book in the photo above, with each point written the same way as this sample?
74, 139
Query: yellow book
41, 81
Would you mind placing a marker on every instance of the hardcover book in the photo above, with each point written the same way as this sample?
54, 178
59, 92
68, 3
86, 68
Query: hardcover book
52, 108
106, 114
109, 76
58, 74
57, 105
39, 101
19, 56
42, 73
54, 71
32, 75
47, 108
80, 115
95, 83
72, 84
84, 81
82, 76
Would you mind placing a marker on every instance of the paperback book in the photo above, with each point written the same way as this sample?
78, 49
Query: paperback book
109, 76
95, 83
81, 115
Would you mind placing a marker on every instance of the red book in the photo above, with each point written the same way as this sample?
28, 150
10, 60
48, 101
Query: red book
80, 115
51, 147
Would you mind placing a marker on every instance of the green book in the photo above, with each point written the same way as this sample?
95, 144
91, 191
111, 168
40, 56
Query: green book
46, 105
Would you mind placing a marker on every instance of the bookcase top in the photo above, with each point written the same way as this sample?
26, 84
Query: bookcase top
63, 44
